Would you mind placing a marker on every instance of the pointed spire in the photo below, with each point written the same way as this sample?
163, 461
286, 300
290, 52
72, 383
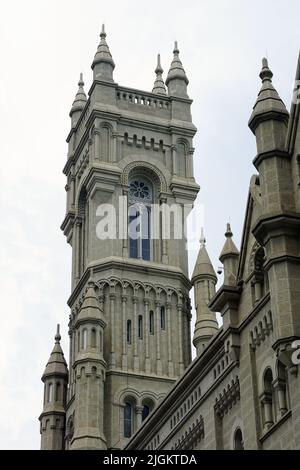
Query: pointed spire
177, 80
56, 364
268, 105
90, 308
103, 64
80, 98
159, 85
203, 266
229, 247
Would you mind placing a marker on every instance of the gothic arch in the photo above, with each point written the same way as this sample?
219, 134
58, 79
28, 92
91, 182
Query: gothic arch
147, 169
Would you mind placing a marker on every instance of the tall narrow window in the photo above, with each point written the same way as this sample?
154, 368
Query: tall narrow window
50, 392
151, 322
129, 331
78, 341
84, 339
140, 327
139, 215
100, 341
162, 318
127, 419
145, 412
57, 392
93, 338
238, 440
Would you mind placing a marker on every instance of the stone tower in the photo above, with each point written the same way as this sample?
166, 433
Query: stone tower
204, 280
52, 419
129, 166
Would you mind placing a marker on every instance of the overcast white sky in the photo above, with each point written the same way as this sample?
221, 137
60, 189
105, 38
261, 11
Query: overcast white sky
44, 45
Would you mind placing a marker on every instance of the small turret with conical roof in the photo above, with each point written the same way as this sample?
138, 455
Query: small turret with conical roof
159, 85
103, 64
90, 369
177, 80
79, 102
52, 419
204, 280
269, 117
229, 258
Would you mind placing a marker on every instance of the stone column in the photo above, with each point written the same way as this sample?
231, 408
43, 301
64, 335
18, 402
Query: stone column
139, 416
280, 388
112, 297
146, 329
96, 144
124, 336
174, 159
180, 352
169, 332
114, 147
125, 225
78, 224
164, 243
266, 400
190, 163
135, 335
158, 335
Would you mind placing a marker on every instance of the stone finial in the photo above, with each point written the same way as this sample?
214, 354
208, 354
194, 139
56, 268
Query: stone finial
202, 238
159, 85
57, 337
266, 73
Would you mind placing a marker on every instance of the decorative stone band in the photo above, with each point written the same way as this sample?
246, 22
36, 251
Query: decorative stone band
194, 434
228, 398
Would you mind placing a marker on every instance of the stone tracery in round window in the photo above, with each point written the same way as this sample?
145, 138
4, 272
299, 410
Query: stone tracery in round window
140, 190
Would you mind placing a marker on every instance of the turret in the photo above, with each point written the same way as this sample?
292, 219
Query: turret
268, 122
52, 419
103, 64
177, 80
90, 370
78, 103
269, 118
229, 258
159, 85
204, 281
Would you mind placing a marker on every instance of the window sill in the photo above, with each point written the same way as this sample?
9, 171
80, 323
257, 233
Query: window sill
275, 426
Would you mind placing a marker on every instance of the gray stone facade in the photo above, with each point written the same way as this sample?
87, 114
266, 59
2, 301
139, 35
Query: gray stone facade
131, 382
243, 389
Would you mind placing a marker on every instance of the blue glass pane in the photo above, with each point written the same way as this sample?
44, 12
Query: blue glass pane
127, 420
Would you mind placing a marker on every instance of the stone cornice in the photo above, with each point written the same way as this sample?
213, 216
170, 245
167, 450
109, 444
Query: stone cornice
223, 295
130, 265
271, 154
286, 223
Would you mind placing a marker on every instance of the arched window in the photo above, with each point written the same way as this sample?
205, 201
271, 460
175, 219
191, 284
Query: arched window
93, 338
84, 339
162, 318
139, 215
267, 399
140, 327
151, 322
128, 331
146, 411
50, 392
127, 419
238, 440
